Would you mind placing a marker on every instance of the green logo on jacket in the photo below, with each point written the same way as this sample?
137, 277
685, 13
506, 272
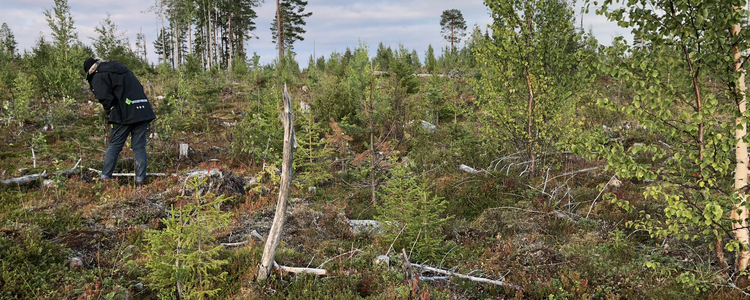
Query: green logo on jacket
127, 101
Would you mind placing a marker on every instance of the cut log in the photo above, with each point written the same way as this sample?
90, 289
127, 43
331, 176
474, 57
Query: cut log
184, 150
472, 278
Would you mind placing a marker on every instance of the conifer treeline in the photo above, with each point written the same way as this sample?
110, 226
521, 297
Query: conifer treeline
212, 32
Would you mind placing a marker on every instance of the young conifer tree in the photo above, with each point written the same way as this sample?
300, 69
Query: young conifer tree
412, 215
312, 160
183, 259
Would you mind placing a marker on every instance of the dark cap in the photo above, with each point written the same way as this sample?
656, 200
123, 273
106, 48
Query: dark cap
87, 64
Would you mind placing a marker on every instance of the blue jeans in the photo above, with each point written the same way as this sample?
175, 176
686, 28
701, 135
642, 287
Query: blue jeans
118, 136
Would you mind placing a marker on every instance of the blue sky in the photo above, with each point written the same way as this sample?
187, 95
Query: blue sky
334, 25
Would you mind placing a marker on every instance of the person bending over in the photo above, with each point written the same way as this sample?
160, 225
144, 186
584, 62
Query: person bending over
127, 108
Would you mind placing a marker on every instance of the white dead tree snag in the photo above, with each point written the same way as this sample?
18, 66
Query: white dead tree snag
274, 235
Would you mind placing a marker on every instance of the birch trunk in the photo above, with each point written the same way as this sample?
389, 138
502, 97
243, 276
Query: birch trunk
531, 101
739, 213
274, 236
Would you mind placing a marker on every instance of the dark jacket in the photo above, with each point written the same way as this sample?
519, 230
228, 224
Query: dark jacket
120, 93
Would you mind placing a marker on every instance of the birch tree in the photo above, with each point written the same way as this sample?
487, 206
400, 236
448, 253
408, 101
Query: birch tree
700, 172
529, 75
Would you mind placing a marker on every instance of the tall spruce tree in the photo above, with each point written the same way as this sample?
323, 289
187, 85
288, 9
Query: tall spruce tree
7, 40
162, 49
60, 20
61, 71
290, 29
453, 26
109, 41
383, 57
240, 18
429, 59
140, 46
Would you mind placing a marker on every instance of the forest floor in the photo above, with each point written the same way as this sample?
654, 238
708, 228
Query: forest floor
554, 235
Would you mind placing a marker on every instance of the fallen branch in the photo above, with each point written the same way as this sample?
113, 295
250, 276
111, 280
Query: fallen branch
70, 172
133, 174
295, 270
24, 180
202, 173
394, 240
600, 193
472, 278
665, 144
557, 213
234, 244
497, 162
436, 278
517, 208
254, 234
576, 172
337, 256
257, 235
